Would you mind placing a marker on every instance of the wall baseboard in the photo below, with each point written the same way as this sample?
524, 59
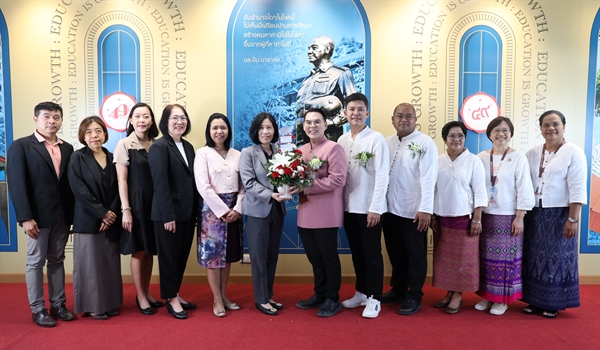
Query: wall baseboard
247, 279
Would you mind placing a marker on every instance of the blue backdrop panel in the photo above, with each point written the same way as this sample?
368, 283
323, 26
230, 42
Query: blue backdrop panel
267, 62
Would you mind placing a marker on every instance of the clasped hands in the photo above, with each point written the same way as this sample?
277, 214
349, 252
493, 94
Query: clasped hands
107, 220
291, 190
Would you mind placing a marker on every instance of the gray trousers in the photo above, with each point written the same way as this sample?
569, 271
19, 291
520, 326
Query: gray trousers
49, 245
264, 237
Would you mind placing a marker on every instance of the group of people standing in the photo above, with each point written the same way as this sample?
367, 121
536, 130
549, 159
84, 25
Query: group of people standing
505, 221
147, 198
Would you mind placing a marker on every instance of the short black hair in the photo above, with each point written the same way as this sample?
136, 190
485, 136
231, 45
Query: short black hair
255, 127
497, 121
453, 124
164, 120
47, 106
357, 96
153, 132
209, 141
553, 111
87, 122
317, 110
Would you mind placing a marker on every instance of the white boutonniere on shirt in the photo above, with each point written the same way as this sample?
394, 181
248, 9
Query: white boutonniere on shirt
363, 157
415, 149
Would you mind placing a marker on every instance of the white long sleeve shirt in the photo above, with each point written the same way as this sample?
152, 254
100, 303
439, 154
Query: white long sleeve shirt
460, 185
514, 189
564, 179
365, 186
412, 174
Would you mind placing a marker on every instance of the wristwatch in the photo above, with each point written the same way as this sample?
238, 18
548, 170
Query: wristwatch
573, 220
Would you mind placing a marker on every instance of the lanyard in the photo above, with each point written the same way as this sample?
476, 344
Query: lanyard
542, 166
494, 178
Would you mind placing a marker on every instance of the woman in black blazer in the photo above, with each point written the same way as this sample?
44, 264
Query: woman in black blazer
97, 283
174, 204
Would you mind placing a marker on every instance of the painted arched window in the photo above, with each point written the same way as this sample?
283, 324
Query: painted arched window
480, 71
118, 67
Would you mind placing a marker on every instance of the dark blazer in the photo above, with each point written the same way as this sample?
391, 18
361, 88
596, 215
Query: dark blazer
175, 197
257, 201
86, 183
37, 193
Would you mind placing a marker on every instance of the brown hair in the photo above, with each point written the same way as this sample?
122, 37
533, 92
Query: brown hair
87, 122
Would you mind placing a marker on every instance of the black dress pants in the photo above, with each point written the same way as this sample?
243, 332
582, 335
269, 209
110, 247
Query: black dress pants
365, 245
407, 249
320, 246
173, 252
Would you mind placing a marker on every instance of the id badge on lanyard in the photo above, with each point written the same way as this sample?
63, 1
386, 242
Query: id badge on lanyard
493, 192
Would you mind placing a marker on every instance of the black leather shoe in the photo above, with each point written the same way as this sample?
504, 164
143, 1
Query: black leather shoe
330, 308
101, 317
182, 315
188, 306
409, 307
146, 311
62, 313
156, 303
441, 304
392, 297
272, 311
278, 306
112, 313
313, 302
42, 319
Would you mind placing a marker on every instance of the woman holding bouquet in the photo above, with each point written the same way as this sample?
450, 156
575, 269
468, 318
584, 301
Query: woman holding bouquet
321, 212
220, 217
264, 211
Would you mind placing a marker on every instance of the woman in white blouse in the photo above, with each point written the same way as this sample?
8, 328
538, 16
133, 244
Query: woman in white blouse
460, 196
510, 195
219, 221
559, 174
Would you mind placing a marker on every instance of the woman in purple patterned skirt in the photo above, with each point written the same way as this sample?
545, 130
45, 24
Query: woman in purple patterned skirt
510, 195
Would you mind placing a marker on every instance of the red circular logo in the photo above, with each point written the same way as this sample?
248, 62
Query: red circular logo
115, 110
478, 110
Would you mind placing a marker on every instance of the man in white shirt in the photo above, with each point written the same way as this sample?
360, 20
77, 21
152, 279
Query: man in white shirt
413, 172
364, 203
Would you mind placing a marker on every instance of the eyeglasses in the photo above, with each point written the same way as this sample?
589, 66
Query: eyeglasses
456, 137
555, 125
504, 131
407, 117
177, 118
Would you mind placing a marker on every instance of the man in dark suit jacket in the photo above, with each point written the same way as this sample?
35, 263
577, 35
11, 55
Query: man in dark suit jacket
36, 170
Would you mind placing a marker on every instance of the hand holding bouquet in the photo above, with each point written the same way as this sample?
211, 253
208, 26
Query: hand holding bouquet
285, 169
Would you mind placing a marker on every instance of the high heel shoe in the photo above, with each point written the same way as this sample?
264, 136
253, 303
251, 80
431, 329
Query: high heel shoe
182, 315
188, 306
146, 311
156, 303
218, 313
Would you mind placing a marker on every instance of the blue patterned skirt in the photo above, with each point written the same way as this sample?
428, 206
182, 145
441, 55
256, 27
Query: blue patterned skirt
550, 272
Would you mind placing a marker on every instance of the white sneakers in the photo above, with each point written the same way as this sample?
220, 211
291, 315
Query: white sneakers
498, 309
372, 306
495, 308
483, 305
372, 309
359, 299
